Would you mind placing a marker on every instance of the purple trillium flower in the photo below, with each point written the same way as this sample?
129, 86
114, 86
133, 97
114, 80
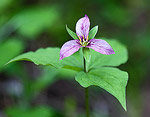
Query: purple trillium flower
82, 31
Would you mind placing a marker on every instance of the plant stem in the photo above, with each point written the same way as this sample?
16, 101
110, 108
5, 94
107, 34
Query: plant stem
84, 64
86, 94
87, 102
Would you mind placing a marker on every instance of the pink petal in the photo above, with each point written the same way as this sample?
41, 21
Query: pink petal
100, 46
82, 26
69, 48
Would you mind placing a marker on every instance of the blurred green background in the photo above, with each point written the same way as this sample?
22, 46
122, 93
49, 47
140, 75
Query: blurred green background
27, 90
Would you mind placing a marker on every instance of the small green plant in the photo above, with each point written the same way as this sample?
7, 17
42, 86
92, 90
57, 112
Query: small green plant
93, 60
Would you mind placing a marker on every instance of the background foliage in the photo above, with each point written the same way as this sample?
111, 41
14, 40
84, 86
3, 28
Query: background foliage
26, 25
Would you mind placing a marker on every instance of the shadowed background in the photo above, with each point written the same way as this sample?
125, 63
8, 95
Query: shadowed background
26, 25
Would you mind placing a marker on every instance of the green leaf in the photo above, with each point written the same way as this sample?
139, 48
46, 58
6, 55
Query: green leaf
112, 80
93, 32
50, 56
67, 74
74, 62
71, 33
120, 56
10, 49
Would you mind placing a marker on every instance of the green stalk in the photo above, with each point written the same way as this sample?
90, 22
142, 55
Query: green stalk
86, 94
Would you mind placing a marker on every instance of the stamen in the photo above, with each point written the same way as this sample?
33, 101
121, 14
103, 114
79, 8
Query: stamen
87, 38
80, 39
83, 37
